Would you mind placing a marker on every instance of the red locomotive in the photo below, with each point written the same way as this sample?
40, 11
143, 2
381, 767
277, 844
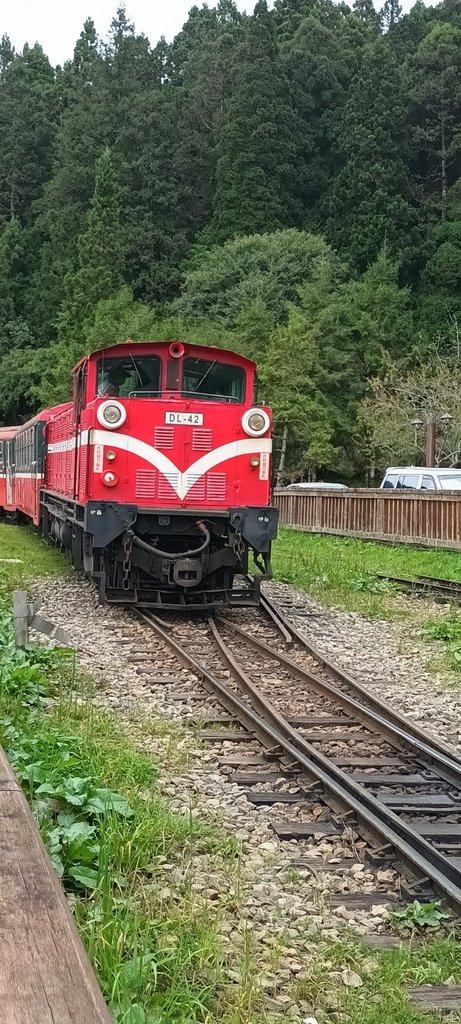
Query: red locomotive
156, 476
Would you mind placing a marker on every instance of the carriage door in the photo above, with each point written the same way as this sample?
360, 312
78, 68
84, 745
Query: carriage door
9, 467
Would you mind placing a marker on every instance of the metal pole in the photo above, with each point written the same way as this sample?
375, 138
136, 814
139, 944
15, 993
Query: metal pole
430, 441
20, 618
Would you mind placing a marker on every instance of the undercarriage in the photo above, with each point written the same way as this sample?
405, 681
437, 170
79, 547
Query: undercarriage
167, 559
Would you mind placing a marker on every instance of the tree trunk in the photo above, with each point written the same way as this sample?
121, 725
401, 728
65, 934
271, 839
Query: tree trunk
283, 451
443, 167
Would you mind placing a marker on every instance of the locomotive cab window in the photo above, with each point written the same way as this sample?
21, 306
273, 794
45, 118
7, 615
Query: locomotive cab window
128, 376
214, 381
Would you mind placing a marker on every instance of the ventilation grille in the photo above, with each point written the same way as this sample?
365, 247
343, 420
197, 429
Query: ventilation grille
146, 483
83, 458
198, 488
202, 440
164, 437
216, 486
166, 485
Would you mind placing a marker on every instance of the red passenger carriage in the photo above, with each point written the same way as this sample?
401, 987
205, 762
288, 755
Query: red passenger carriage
156, 475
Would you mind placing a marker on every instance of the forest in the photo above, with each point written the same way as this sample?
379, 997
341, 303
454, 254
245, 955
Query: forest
286, 184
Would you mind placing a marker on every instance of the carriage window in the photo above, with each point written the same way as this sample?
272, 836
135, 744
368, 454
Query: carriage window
428, 483
217, 382
128, 376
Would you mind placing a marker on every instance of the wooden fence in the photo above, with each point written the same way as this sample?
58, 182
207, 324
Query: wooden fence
428, 519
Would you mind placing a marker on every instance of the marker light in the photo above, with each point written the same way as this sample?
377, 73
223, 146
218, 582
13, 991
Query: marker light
111, 414
110, 456
254, 462
109, 479
255, 422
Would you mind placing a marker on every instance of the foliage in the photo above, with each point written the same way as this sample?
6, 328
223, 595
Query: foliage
214, 181
267, 269
419, 915
396, 401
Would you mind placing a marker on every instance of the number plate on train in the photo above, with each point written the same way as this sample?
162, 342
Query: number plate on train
194, 419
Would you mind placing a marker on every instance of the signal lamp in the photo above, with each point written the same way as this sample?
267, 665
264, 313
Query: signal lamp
254, 462
110, 456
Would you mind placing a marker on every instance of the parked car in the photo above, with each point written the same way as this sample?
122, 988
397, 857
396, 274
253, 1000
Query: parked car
318, 485
422, 478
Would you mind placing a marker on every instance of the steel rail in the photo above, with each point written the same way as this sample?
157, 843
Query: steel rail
272, 729
448, 768
343, 676
425, 585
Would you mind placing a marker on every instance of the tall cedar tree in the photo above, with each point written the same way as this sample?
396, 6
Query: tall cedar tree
320, 61
370, 200
26, 128
100, 260
83, 130
255, 179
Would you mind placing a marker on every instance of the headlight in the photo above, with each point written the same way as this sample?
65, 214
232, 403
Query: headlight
111, 414
255, 422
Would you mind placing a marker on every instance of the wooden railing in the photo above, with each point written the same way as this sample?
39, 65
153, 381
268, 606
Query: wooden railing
429, 519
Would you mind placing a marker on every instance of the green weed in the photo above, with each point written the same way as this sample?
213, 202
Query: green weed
418, 915
341, 570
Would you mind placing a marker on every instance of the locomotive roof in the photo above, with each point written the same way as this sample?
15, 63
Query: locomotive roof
193, 350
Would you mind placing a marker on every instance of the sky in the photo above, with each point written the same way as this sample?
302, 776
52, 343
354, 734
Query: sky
56, 24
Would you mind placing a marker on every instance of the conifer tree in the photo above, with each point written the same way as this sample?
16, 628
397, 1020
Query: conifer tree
370, 200
100, 260
11, 257
255, 180
390, 13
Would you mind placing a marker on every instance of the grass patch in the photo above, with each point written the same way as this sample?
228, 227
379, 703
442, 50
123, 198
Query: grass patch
114, 842
353, 983
25, 556
340, 570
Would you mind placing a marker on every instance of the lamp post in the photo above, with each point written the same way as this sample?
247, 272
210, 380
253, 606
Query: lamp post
431, 433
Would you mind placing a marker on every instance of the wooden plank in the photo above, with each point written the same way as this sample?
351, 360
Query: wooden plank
322, 736
252, 778
361, 900
432, 802
223, 736
435, 998
46, 977
304, 829
381, 779
297, 720
239, 760
263, 797
438, 829
367, 762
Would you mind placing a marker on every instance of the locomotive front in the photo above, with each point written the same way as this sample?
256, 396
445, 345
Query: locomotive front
172, 475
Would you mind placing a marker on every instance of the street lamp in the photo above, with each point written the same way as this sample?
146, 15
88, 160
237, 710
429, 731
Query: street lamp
431, 430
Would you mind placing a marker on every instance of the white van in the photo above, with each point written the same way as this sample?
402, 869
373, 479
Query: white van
422, 478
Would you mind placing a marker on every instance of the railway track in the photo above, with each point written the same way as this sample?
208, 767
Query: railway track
447, 590
326, 742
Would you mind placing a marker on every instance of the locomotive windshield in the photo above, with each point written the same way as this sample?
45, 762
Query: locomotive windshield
218, 382
128, 376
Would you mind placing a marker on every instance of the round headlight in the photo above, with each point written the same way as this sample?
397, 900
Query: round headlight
255, 422
111, 414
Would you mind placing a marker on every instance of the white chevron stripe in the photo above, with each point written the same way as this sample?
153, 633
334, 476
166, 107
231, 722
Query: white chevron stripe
186, 480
